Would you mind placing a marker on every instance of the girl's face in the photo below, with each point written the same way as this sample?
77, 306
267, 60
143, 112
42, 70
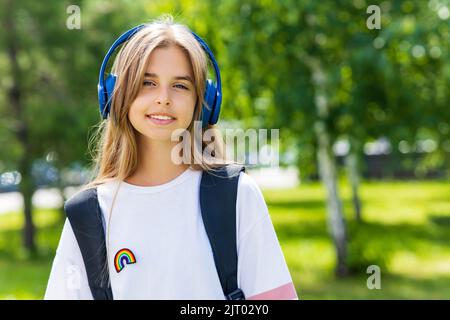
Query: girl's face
166, 91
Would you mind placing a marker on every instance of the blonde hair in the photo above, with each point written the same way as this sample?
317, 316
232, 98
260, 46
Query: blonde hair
116, 150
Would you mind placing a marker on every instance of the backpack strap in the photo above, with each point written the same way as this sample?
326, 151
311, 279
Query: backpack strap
83, 212
218, 195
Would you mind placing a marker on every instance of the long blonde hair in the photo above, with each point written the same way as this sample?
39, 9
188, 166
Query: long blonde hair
116, 150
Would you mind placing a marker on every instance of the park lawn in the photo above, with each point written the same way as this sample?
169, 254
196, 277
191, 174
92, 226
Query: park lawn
23, 276
406, 231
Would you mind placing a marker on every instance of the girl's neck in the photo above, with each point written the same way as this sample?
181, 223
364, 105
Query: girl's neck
155, 165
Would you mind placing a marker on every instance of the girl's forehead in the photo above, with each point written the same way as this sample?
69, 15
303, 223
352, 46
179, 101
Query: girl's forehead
169, 60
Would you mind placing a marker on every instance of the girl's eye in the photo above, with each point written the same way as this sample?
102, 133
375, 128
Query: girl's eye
181, 86
151, 83
147, 83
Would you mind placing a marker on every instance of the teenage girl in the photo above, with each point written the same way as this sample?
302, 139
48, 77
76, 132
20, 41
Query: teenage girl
156, 222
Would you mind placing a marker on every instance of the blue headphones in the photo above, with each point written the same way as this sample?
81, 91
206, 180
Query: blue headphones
213, 92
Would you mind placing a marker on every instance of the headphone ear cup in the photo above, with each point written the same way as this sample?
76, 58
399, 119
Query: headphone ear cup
216, 111
108, 93
209, 102
101, 99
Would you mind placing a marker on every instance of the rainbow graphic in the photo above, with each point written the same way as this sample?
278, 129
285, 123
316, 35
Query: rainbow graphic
123, 257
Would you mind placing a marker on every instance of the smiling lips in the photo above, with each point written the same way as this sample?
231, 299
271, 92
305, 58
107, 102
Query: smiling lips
160, 118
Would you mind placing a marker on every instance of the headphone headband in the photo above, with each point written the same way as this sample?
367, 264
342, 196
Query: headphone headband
214, 63
213, 92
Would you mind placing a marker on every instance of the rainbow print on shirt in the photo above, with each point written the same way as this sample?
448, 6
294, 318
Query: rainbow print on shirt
123, 257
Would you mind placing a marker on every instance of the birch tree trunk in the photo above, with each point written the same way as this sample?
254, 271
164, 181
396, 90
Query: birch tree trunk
352, 165
327, 168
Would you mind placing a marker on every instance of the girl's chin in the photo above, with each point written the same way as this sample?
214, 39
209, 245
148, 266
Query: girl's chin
161, 135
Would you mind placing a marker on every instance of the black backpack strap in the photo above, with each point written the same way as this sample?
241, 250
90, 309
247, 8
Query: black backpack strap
218, 197
83, 212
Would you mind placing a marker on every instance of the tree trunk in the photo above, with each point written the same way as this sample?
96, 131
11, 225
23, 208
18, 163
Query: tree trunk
27, 190
327, 168
15, 100
353, 173
336, 222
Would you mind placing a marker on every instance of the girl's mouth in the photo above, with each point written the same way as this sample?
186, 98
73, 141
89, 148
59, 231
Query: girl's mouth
160, 120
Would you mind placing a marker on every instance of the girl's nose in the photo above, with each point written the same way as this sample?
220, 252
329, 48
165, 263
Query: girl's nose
165, 102
163, 98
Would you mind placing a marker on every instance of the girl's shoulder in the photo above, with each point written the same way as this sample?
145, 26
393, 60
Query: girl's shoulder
106, 190
251, 205
248, 186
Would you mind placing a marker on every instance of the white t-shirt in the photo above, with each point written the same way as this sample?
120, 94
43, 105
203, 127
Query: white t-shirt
162, 250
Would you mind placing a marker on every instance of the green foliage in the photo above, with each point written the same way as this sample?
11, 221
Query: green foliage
391, 82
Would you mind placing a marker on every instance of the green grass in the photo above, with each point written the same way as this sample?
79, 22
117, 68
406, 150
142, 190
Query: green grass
24, 276
406, 231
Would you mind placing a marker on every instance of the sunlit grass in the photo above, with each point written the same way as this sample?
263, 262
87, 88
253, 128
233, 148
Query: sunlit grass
406, 230
23, 276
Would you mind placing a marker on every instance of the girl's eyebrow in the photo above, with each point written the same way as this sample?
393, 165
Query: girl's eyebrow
154, 75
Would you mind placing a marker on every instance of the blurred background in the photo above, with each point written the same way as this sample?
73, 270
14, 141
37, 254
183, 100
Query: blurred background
361, 199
